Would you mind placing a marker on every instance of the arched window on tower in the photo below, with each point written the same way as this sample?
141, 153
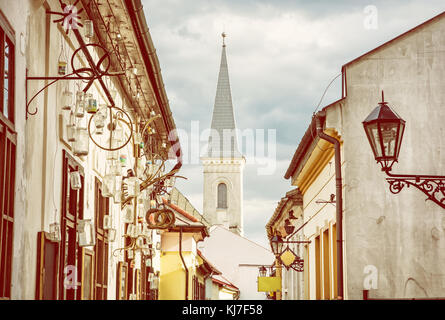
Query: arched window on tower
222, 196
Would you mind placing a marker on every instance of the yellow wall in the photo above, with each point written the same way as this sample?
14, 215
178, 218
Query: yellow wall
172, 277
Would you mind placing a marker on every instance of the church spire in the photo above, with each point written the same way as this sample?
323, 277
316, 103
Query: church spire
223, 138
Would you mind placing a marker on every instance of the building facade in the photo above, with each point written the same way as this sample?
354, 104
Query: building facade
79, 171
392, 243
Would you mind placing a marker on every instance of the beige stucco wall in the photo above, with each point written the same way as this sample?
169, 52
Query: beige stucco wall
401, 235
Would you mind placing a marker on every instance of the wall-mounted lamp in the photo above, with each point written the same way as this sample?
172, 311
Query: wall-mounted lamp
384, 129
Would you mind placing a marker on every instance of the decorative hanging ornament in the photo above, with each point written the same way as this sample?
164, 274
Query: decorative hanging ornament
91, 104
67, 99
75, 180
81, 145
89, 29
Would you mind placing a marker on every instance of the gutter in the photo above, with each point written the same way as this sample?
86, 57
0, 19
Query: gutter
338, 197
185, 265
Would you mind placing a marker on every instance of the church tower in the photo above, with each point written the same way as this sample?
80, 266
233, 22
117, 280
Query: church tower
223, 163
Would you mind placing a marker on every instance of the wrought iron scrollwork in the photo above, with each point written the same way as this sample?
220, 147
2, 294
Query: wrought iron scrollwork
432, 186
298, 265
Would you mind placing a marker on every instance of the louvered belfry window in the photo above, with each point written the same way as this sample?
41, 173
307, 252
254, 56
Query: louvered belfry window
222, 196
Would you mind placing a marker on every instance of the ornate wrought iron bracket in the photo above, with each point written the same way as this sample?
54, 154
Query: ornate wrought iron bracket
432, 186
94, 70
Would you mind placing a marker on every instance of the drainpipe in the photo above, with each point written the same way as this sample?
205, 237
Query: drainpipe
184, 264
339, 200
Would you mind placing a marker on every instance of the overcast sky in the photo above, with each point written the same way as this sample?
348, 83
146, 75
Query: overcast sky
281, 57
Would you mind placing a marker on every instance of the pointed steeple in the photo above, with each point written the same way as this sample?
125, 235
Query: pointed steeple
223, 138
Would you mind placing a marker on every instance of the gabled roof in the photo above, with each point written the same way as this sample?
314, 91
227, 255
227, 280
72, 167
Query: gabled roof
224, 282
207, 263
439, 16
185, 221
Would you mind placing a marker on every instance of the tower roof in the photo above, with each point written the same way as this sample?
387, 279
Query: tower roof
223, 137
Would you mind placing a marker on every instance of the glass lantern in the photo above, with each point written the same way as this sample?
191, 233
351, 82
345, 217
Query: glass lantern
91, 103
71, 128
75, 181
81, 144
115, 168
80, 104
109, 185
128, 214
146, 232
118, 134
140, 242
111, 234
54, 232
107, 222
89, 29
130, 230
133, 186
123, 160
67, 99
61, 68
117, 197
99, 122
137, 138
86, 233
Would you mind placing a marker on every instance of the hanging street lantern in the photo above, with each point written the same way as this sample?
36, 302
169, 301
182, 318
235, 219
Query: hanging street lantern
262, 271
384, 129
277, 245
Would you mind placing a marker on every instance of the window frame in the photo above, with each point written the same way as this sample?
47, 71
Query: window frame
8, 150
101, 207
221, 200
68, 224
7, 34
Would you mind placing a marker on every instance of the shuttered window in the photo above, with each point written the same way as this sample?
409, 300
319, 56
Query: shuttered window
102, 207
8, 140
70, 252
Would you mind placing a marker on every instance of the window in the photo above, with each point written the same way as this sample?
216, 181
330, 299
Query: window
47, 266
8, 141
70, 253
102, 207
198, 289
222, 196
6, 71
326, 266
121, 286
334, 255
317, 269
